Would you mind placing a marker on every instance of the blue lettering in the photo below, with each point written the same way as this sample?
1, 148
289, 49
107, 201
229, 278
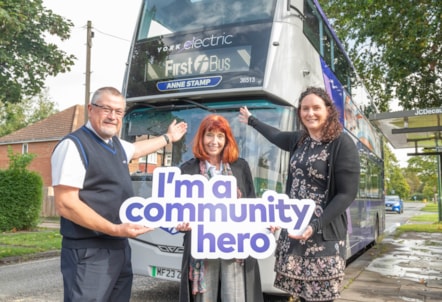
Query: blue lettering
282, 207
186, 184
271, 209
223, 226
241, 238
253, 208
180, 209
254, 242
222, 189
212, 208
129, 210
225, 242
156, 207
242, 216
301, 215
161, 178
202, 237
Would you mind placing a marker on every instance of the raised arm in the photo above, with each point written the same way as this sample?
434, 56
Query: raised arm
282, 139
174, 133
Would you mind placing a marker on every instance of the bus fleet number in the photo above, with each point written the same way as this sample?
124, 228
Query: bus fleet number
244, 80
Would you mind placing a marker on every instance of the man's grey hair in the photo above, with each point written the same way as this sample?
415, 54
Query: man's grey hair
109, 90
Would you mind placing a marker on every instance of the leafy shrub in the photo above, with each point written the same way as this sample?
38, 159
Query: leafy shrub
22, 194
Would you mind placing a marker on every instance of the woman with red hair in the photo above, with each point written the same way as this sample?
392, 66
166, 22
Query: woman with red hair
228, 280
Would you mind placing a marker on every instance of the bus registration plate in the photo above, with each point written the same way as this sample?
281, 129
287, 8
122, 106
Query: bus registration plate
166, 273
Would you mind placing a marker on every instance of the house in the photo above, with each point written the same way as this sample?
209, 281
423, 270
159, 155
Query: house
40, 139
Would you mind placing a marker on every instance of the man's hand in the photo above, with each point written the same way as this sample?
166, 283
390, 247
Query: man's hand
176, 130
131, 230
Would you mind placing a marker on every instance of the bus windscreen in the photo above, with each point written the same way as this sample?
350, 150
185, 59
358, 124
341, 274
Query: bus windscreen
196, 14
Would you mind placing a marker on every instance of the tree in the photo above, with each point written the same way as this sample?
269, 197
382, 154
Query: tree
14, 116
26, 58
395, 183
425, 168
395, 46
413, 182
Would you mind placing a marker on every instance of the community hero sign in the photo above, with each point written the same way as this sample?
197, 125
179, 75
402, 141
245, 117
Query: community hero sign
223, 226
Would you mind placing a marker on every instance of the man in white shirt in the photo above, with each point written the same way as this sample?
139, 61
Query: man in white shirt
91, 180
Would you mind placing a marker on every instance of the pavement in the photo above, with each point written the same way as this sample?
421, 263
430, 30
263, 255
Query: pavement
406, 268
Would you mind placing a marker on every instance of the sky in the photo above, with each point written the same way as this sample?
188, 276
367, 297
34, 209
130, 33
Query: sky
113, 24
402, 157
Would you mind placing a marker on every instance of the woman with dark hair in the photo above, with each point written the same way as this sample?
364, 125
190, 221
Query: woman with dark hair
228, 280
324, 167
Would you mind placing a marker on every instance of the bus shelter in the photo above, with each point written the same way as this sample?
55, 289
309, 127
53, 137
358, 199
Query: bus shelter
419, 129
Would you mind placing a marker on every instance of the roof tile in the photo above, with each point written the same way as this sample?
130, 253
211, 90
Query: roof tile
51, 128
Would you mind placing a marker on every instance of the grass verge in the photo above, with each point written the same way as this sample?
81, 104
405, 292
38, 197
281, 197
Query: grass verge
18, 244
427, 222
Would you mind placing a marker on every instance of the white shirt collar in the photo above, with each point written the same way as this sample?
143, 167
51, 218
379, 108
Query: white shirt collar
89, 126
217, 172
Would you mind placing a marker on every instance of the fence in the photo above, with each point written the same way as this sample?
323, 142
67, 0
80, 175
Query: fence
48, 205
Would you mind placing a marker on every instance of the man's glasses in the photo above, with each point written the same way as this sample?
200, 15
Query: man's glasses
107, 110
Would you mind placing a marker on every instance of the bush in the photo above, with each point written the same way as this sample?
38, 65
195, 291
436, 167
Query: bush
22, 194
417, 197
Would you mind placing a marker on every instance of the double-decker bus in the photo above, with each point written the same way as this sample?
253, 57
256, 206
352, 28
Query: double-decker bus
190, 58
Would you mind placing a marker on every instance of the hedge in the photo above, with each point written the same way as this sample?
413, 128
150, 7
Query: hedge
21, 195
